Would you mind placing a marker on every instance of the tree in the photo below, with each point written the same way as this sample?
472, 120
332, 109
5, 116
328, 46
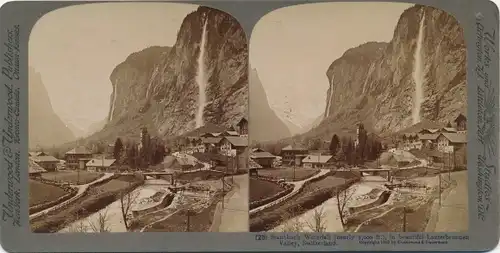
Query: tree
334, 144
132, 154
101, 224
449, 124
145, 152
118, 149
343, 198
127, 200
318, 221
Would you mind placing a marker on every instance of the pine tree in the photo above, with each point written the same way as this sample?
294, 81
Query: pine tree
118, 149
334, 144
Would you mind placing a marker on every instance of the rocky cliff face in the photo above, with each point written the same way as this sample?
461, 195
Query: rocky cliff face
264, 124
157, 87
46, 129
374, 83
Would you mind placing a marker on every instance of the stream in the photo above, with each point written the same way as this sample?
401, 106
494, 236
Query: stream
113, 214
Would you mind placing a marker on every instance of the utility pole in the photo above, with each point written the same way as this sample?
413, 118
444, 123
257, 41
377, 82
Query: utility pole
188, 221
439, 188
223, 190
404, 218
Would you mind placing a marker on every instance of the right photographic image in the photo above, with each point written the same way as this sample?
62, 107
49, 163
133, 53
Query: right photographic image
358, 120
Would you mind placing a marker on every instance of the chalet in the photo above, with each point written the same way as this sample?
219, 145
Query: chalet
263, 158
317, 161
35, 170
49, 163
233, 145
396, 159
243, 127
101, 165
448, 142
77, 158
293, 155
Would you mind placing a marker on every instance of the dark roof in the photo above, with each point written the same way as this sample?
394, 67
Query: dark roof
45, 158
81, 150
455, 137
211, 140
262, 155
207, 128
237, 141
428, 136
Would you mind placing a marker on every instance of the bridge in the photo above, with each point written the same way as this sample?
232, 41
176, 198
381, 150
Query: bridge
156, 175
356, 169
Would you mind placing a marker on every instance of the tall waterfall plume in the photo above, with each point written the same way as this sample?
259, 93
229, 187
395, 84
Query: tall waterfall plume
418, 74
329, 100
113, 101
201, 78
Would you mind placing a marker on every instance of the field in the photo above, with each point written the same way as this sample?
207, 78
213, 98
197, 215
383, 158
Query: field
96, 198
289, 174
72, 177
311, 196
260, 189
41, 193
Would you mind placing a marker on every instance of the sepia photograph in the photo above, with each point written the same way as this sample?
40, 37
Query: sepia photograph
138, 120
358, 120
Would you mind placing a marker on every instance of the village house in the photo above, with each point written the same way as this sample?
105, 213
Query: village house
396, 159
429, 131
34, 170
47, 162
211, 144
233, 145
101, 165
293, 155
317, 161
263, 158
448, 142
77, 158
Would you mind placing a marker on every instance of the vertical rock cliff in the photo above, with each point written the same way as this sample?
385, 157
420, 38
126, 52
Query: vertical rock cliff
375, 83
157, 87
46, 129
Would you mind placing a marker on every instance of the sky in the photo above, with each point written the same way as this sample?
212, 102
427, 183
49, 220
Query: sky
76, 48
291, 49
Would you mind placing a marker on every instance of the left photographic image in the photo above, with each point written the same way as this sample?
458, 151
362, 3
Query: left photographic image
138, 126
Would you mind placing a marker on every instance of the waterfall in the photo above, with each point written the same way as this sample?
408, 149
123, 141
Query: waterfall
201, 78
329, 101
113, 101
418, 74
153, 76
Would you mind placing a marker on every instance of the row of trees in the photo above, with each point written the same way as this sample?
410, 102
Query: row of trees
346, 149
149, 151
